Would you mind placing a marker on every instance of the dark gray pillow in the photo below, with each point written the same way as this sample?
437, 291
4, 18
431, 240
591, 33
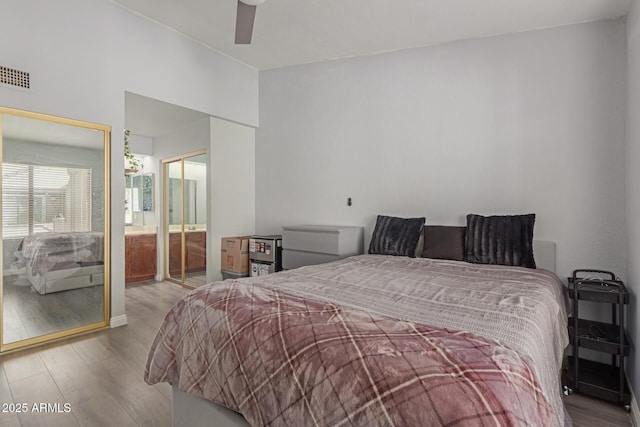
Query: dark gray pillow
444, 242
500, 239
396, 236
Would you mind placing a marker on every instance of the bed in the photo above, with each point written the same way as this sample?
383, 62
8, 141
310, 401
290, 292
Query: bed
369, 340
57, 262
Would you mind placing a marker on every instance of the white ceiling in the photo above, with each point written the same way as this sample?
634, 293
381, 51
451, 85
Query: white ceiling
291, 32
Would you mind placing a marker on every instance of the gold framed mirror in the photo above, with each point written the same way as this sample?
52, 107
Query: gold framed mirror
55, 227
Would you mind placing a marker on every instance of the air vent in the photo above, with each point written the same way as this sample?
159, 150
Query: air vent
14, 77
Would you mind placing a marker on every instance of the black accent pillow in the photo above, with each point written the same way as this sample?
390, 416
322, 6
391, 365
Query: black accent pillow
396, 236
500, 239
444, 242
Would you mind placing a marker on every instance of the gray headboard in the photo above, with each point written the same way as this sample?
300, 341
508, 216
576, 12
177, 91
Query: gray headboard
545, 254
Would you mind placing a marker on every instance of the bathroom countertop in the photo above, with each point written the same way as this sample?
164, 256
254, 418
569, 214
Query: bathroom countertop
135, 230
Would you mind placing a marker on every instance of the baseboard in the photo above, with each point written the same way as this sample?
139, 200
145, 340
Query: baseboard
118, 321
634, 413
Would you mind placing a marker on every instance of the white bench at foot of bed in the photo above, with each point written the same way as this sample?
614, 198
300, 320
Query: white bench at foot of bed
193, 411
67, 276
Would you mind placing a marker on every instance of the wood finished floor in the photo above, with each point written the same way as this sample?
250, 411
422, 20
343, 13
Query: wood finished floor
28, 314
100, 375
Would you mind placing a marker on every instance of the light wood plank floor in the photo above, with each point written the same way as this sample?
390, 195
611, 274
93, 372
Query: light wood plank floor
28, 314
100, 375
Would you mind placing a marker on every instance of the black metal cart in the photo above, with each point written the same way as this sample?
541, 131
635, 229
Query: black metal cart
601, 380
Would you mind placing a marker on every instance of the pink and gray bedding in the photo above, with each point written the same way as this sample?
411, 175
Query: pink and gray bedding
44, 250
373, 340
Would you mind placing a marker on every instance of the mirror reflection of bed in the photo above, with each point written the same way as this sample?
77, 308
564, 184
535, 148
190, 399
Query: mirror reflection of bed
53, 228
55, 282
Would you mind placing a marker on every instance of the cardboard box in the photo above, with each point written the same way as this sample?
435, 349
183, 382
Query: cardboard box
235, 254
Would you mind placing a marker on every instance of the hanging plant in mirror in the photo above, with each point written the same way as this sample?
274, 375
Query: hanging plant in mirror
132, 164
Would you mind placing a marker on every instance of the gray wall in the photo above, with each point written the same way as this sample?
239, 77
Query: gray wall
531, 122
633, 184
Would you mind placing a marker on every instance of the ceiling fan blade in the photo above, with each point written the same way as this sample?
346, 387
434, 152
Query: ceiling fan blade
244, 23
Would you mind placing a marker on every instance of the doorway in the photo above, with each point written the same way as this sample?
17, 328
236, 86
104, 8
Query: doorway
185, 213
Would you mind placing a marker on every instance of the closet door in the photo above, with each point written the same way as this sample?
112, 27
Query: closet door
186, 195
195, 220
55, 227
174, 227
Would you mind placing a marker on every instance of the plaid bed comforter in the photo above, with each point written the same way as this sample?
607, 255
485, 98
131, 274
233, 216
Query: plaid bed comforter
284, 359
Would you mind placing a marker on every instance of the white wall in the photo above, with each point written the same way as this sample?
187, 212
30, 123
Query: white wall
140, 145
233, 182
531, 122
633, 185
84, 54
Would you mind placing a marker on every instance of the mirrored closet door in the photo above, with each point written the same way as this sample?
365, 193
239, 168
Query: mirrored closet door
55, 227
185, 231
